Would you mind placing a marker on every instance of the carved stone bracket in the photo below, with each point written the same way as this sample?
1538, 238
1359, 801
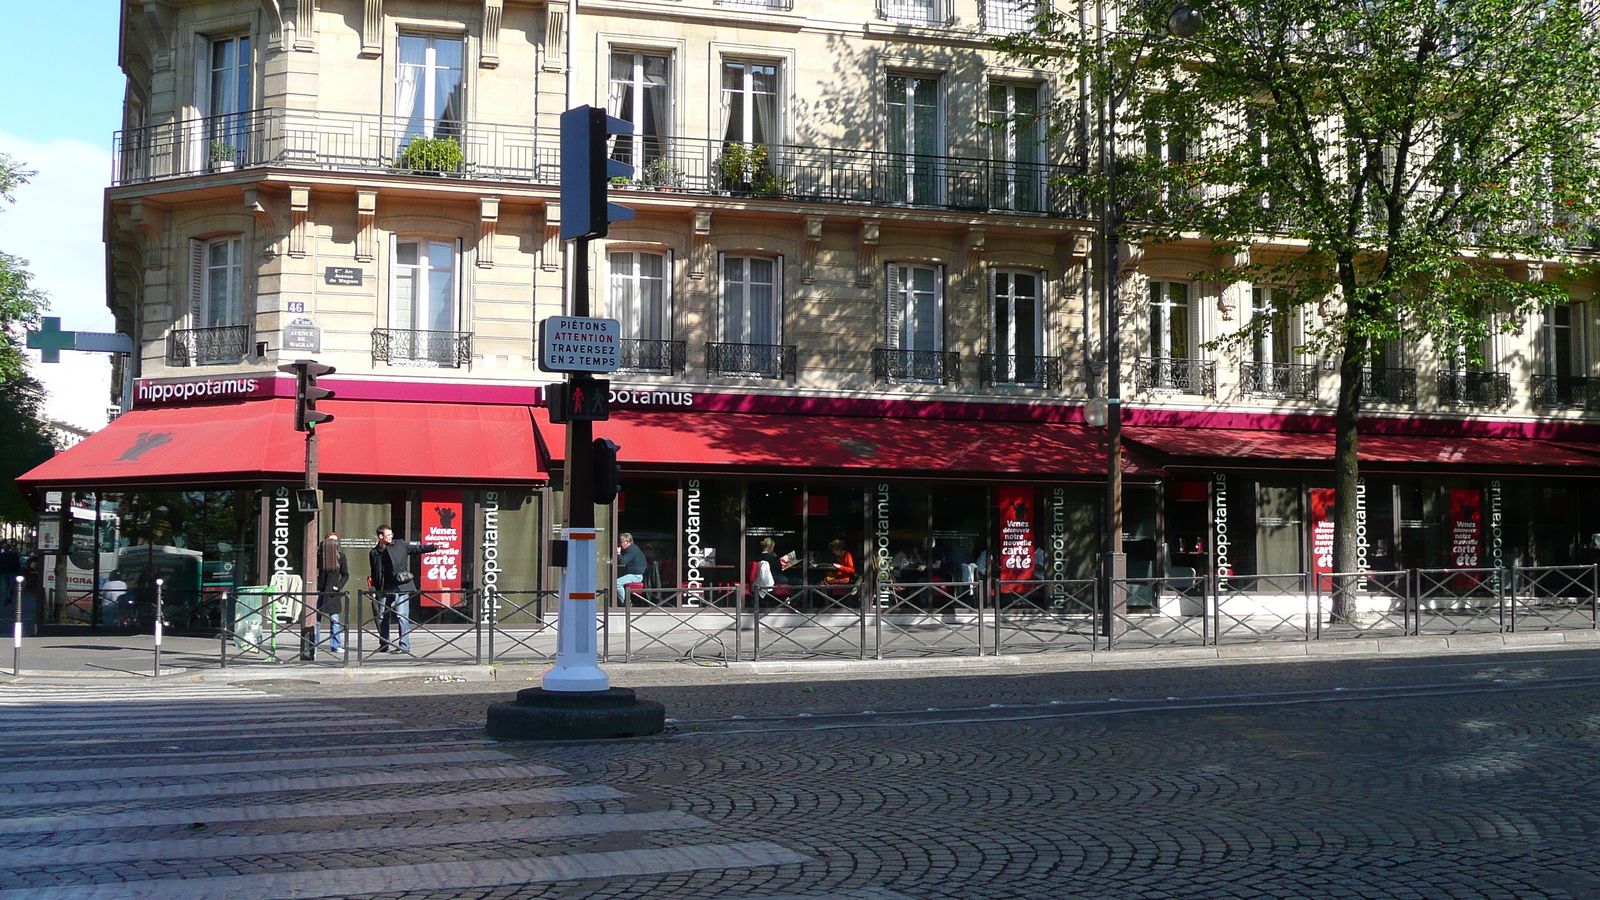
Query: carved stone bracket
973, 261
299, 211
1080, 244
1132, 255
371, 28
867, 255
550, 253
699, 249
160, 24
488, 224
555, 39
150, 221
268, 225
489, 56
808, 250
1535, 272
305, 25
366, 225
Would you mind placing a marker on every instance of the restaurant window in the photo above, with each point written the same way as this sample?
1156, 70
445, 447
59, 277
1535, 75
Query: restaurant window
1280, 529
641, 93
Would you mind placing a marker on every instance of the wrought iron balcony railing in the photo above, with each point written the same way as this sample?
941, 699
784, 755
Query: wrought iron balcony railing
1278, 380
1029, 371
782, 5
1389, 385
1007, 15
915, 12
1566, 392
409, 347
356, 142
1161, 374
660, 357
751, 360
1475, 388
926, 366
222, 345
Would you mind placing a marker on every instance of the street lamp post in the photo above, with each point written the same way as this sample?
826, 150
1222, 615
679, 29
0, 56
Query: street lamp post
1183, 22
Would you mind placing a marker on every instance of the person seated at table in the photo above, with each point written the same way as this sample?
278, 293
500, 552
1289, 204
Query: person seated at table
780, 569
907, 565
843, 565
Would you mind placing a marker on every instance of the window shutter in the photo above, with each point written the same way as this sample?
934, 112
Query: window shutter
197, 282
731, 318
938, 309
667, 279
459, 301
393, 281
198, 152
1580, 339
777, 301
893, 306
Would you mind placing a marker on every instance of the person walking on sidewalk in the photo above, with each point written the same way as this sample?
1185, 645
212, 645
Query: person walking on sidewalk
395, 583
10, 568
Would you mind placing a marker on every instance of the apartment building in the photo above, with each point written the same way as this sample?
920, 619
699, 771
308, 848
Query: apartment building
857, 300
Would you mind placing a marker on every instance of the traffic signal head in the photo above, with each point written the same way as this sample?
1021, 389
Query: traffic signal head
607, 471
307, 393
586, 170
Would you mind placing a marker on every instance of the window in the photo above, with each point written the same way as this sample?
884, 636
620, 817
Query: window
913, 138
914, 310
423, 295
641, 94
1561, 351
752, 291
1014, 140
225, 98
1273, 342
1016, 314
749, 101
428, 86
920, 12
219, 283
641, 295
1169, 320
1009, 15
1167, 145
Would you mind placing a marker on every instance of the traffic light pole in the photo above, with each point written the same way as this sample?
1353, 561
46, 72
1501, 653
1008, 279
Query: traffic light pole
308, 557
577, 665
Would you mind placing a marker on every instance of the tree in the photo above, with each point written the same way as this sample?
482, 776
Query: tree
24, 438
1406, 166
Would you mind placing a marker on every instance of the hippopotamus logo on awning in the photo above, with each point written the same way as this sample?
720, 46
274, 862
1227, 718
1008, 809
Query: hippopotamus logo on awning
144, 443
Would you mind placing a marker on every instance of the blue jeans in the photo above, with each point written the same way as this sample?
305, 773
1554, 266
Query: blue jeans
396, 607
622, 590
335, 632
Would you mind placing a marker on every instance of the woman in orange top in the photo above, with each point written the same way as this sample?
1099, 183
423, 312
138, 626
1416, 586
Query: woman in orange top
844, 565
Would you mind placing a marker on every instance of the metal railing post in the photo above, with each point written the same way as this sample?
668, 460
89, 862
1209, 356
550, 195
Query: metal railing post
361, 627
16, 632
494, 604
159, 584
477, 627
738, 622
224, 628
1508, 619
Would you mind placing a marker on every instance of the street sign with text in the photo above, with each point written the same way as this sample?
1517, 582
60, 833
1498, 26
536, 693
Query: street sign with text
580, 344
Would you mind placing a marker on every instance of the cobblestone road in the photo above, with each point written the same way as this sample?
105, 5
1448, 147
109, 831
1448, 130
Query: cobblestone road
1393, 777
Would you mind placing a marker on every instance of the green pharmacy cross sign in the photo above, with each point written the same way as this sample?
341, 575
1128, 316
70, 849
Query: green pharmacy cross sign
50, 340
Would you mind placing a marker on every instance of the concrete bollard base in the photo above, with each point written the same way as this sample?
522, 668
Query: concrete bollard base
541, 715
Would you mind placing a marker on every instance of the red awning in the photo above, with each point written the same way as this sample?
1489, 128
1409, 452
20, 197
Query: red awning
698, 442
256, 441
1221, 446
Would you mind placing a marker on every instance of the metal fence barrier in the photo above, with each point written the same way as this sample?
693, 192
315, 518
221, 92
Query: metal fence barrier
866, 619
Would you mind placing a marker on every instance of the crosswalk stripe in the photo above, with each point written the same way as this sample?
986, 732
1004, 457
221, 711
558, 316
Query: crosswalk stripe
13, 698
301, 783
45, 721
134, 730
202, 846
430, 876
152, 737
249, 767
273, 811
390, 747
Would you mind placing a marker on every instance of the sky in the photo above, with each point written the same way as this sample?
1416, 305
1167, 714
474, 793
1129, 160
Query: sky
59, 123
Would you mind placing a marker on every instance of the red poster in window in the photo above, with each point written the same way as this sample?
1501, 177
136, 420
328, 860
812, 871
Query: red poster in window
1322, 533
1016, 534
1466, 532
441, 570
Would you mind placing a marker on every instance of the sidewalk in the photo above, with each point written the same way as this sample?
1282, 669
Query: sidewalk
187, 660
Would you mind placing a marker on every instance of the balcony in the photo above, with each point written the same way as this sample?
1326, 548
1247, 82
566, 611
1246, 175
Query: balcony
1164, 375
1024, 371
1566, 392
372, 144
1281, 381
425, 349
1007, 16
224, 345
751, 360
915, 12
1475, 388
916, 366
653, 357
1389, 385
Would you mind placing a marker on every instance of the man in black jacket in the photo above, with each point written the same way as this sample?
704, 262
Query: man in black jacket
395, 584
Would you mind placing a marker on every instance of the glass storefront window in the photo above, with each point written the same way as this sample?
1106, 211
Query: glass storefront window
1280, 529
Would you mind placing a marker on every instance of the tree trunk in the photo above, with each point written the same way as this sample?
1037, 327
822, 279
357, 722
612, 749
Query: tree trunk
1346, 461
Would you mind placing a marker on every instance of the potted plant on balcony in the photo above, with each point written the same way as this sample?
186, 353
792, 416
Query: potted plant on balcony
661, 174
431, 155
221, 156
746, 170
